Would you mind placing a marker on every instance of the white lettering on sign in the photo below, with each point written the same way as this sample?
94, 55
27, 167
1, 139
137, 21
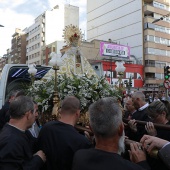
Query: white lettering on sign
114, 50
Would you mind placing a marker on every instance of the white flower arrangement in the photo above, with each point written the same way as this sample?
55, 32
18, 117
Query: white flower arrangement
86, 89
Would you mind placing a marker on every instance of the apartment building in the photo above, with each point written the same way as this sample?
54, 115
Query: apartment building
129, 22
48, 28
52, 47
18, 44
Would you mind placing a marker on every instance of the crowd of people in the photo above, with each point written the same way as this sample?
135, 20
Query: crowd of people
59, 146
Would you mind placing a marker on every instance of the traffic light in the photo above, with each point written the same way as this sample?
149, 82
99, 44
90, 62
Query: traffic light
166, 72
130, 83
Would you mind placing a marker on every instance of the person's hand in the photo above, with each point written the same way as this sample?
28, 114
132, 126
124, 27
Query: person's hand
150, 129
41, 154
91, 138
132, 125
88, 135
125, 125
150, 142
137, 154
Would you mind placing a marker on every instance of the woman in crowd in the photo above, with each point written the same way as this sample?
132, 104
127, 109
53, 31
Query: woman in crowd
158, 113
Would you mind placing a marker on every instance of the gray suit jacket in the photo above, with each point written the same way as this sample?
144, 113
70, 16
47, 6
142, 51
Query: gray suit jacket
164, 155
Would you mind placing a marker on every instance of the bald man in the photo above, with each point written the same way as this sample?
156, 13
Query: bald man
59, 139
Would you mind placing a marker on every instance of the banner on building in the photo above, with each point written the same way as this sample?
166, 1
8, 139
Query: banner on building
108, 49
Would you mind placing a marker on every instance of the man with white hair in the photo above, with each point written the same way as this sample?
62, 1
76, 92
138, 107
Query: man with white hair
138, 100
107, 126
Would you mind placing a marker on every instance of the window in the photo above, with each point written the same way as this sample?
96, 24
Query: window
149, 26
160, 64
128, 75
151, 38
159, 75
157, 39
159, 5
150, 51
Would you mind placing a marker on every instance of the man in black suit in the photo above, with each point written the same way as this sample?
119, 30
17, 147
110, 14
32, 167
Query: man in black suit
138, 99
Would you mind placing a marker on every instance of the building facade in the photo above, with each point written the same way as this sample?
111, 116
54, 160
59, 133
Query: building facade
129, 22
18, 50
48, 28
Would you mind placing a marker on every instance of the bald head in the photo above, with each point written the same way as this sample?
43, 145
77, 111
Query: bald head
70, 105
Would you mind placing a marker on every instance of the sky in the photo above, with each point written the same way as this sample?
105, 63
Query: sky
21, 14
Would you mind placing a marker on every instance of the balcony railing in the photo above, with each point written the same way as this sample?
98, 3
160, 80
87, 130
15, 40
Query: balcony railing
149, 65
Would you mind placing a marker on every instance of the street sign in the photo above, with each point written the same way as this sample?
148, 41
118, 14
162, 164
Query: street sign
167, 84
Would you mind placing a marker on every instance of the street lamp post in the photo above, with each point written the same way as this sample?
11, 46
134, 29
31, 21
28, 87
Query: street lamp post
120, 72
55, 62
161, 18
32, 71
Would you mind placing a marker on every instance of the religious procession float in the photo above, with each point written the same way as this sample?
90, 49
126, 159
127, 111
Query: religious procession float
71, 75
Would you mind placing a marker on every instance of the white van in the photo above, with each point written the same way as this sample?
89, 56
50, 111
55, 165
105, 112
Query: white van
14, 76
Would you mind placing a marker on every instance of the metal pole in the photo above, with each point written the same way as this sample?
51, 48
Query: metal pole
111, 70
55, 98
167, 90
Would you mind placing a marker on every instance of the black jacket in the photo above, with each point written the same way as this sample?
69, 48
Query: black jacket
15, 151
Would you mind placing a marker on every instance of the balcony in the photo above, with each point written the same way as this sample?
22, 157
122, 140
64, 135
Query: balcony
148, 1
148, 9
156, 58
149, 44
155, 33
150, 19
153, 69
153, 81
